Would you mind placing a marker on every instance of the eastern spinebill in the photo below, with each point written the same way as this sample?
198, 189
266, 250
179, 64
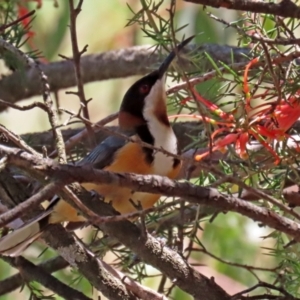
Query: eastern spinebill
143, 117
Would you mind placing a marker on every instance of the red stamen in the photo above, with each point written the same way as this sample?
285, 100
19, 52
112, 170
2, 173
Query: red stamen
246, 87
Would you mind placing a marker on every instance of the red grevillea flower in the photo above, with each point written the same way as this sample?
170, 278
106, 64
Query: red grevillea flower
23, 11
265, 126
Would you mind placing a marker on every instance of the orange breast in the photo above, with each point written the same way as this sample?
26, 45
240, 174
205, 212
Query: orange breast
131, 158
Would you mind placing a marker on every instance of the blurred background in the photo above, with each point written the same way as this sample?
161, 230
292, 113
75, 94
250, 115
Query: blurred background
101, 25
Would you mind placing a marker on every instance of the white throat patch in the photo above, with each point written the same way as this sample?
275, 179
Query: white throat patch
163, 135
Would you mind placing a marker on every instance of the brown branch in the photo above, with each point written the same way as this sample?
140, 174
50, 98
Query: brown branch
58, 263
52, 116
192, 193
28, 62
150, 250
27, 15
255, 37
71, 249
45, 193
139, 290
153, 252
290, 194
12, 283
259, 193
234, 264
204, 77
217, 172
17, 140
74, 12
192, 213
78, 137
151, 184
183, 130
139, 181
285, 8
268, 286
90, 266
147, 249
136, 60
30, 272
24, 107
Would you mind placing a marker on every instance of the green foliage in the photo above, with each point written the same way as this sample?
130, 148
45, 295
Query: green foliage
15, 33
54, 35
178, 294
232, 245
286, 253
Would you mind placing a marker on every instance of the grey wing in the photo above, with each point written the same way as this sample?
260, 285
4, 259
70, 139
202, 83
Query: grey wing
100, 157
103, 154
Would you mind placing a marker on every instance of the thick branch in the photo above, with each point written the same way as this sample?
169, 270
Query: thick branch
108, 65
284, 8
150, 250
169, 221
145, 246
45, 193
90, 266
52, 265
69, 247
31, 272
151, 184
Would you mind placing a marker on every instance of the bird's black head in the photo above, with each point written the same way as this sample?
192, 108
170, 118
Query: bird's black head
134, 100
147, 97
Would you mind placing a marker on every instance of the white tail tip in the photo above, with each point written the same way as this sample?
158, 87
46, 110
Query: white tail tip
16, 242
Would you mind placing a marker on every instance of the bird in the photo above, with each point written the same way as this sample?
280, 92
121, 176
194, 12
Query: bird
142, 117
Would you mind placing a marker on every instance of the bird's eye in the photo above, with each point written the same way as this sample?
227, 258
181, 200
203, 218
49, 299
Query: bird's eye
144, 89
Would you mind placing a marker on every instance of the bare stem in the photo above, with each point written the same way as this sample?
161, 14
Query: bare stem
74, 12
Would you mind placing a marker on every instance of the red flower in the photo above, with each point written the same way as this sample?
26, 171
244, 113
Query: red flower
23, 11
265, 126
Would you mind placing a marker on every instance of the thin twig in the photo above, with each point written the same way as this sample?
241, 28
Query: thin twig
31, 272
53, 119
25, 107
45, 193
51, 265
17, 140
204, 77
265, 285
74, 12
95, 219
253, 191
139, 290
247, 267
31, 63
285, 8
75, 139
153, 184
255, 37
125, 137
27, 15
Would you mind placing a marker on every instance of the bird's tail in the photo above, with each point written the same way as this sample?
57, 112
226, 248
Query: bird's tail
16, 242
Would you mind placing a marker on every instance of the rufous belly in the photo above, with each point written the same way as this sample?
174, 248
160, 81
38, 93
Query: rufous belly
130, 159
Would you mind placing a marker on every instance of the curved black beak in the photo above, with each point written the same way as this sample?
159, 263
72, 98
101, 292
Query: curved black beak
166, 63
